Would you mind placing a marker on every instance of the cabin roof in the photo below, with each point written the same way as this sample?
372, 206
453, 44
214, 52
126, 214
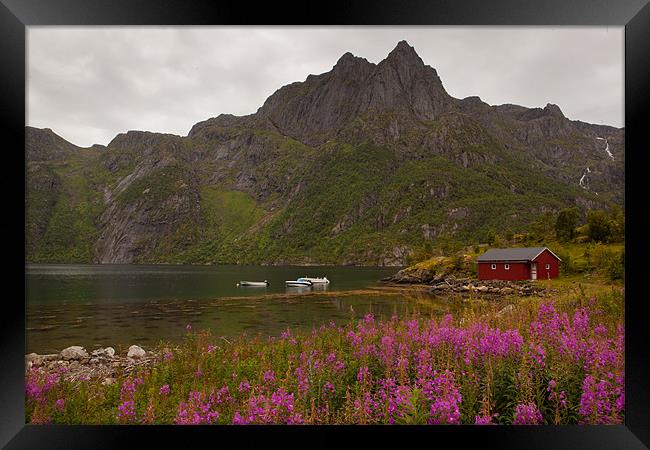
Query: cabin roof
513, 254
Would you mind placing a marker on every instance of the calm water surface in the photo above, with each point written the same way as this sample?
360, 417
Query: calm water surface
120, 305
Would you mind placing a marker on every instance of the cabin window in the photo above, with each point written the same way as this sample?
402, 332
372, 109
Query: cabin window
506, 266
494, 267
548, 266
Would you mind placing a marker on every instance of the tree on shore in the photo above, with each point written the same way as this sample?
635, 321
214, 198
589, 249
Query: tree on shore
598, 226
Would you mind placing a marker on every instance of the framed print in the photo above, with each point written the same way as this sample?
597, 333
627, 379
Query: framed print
402, 221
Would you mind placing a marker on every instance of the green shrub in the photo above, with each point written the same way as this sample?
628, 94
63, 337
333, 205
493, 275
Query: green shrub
615, 266
599, 228
565, 224
566, 265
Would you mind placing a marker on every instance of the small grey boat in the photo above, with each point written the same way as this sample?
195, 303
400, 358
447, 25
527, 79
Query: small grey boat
253, 283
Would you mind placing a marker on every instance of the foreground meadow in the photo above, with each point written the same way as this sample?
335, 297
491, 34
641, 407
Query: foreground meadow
544, 361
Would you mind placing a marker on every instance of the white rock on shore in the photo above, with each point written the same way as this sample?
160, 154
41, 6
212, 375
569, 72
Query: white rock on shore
73, 352
136, 352
108, 352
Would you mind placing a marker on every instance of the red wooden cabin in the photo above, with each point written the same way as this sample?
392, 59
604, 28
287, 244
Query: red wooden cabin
518, 264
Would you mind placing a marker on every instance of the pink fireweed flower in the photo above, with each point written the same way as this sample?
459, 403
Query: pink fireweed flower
244, 386
365, 409
278, 408
221, 396
126, 411
198, 373
211, 348
483, 420
601, 401
295, 419
238, 419
32, 389
168, 356
196, 411
130, 385
303, 379
527, 414
355, 338
445, 399
581, 321
281, 398
396, 399
619, 405
164, 390
39, 383
538, 354
286, 335
363, 374
269, 376
328, 388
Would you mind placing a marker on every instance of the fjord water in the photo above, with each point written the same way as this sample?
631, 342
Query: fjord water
120, 305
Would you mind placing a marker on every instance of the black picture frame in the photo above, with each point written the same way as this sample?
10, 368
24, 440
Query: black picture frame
16, 15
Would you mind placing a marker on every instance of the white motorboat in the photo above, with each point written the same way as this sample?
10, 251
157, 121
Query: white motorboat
298, 283
253, 283
322, 280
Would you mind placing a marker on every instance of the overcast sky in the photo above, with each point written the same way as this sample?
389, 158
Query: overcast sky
90, 83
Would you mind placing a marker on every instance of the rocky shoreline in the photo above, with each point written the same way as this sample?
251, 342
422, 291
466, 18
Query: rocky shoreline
446, 284
76, 364
494, 287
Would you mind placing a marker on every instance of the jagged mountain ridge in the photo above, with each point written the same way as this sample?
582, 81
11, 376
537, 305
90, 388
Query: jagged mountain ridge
362, 164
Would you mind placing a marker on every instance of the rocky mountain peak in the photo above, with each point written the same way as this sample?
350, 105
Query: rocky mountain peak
45, 144
350, 65
553, 110
403, 53
318, 108
345, 59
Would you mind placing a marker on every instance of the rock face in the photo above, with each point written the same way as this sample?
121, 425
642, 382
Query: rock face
412, 276
74, 352
136, 352
375, 157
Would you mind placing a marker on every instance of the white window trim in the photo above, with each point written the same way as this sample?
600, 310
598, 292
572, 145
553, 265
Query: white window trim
506, 266
494, 267
548, 266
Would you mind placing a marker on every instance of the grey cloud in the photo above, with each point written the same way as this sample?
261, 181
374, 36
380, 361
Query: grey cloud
88, 84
